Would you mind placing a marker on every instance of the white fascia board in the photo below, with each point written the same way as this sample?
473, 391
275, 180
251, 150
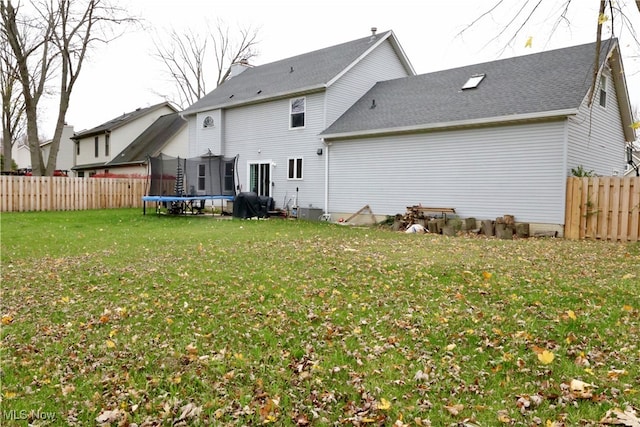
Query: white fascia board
396, 46
256, 100
454, 124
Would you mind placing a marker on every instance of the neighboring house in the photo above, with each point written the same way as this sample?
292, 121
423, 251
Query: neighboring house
64, 162
111, 148
488, 139
168, 134
633, 167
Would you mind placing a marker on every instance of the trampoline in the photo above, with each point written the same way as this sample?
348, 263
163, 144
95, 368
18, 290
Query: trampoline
182, 185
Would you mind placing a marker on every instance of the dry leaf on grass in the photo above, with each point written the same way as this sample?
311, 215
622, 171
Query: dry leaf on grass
616, 416
454, 409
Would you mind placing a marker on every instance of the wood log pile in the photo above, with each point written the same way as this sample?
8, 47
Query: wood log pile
435, 221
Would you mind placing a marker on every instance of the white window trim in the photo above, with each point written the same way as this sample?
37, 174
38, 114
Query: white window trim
603, 79
304, 112
213, 122
295, 168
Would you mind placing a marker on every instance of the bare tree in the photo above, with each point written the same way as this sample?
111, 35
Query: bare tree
186, 57
13, 107
608, 10
52, 42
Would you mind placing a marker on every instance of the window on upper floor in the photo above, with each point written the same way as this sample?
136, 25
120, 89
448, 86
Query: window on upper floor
603, 90
106, 144
208, 122
77, 148
294, 169
297, 110
96, 147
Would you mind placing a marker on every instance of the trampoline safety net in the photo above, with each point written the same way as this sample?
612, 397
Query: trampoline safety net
197, 176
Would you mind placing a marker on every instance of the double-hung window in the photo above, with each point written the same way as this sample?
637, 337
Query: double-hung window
96, 146
106, 144
297, 109
294, 169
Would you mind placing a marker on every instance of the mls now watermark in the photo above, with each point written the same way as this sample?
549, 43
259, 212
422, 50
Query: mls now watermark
15, 415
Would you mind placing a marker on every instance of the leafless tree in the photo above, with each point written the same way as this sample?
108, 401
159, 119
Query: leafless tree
187, 56
608, 10
13, 107
50, 43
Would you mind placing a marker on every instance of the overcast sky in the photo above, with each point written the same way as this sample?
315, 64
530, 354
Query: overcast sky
123, 76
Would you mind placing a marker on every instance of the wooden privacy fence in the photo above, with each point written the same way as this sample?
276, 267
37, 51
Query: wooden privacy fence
45, 193
606, 208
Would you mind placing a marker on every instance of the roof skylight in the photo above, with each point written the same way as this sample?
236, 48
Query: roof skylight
473, 81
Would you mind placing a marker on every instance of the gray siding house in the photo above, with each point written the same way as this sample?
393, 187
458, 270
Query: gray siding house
271, 116
488, 139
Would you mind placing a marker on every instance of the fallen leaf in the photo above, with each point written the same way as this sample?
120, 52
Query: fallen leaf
107, 417
454, 409
384, 404
580, 389
110, 344
628, 417
571, 314
503, 416
615, 373
7, 319
190, 411
486, 275
546, 357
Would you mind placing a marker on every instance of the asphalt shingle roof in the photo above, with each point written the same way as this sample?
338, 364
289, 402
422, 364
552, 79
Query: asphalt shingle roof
309, 70
542, 82
120, 120
151, 141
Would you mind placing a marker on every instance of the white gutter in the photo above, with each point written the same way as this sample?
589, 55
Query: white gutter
256, 100
455, 124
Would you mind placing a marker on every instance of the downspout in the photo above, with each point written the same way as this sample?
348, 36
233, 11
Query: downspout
326, 175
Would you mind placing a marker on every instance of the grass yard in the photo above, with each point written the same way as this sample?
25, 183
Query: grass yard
115, 318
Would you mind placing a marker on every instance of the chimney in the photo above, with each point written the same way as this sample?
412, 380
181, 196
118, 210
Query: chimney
239, 67
373, 34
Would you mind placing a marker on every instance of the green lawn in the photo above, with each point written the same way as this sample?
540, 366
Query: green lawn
115, 317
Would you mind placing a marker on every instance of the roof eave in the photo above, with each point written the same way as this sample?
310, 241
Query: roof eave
90, 132
129, 163
545, 115
389, 35
257, 100
622, 93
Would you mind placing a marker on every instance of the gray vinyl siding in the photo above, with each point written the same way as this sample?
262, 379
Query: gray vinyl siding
210, 138
260, 133
381, 64
596, 138
195, 146
483, 173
